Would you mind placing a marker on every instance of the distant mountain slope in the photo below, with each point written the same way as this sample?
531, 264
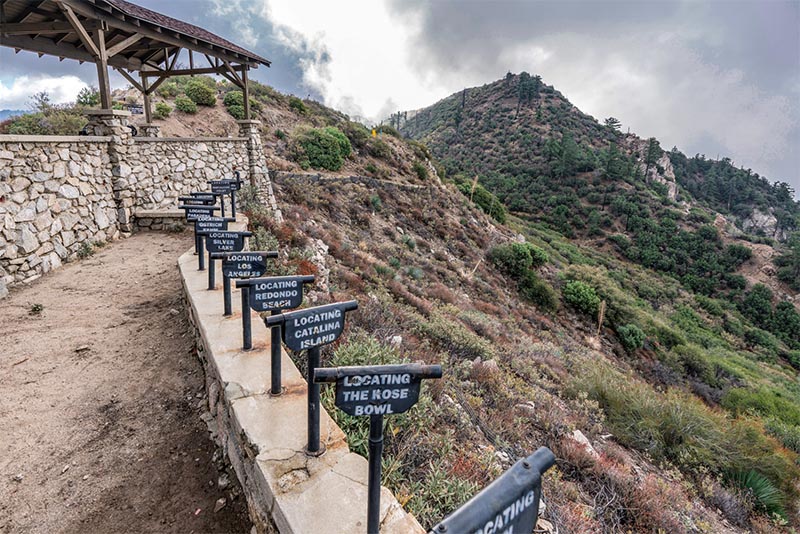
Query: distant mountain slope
520, 135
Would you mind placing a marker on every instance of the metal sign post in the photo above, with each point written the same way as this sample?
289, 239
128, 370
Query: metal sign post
221, 241
509, 504
247, 264
222, 188
376, 391
309, 329
269, 294
236, 184
193, 213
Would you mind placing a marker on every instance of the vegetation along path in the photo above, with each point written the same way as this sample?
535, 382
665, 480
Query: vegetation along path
102, 396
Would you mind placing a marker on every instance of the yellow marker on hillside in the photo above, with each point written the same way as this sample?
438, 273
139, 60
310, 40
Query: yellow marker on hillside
374, 133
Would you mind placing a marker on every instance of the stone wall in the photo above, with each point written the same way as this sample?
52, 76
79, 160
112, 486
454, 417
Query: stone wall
58, 195
55, 198
166, 168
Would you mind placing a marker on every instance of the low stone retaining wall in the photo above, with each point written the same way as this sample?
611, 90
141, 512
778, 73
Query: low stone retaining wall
159, 220
264, 436
58, 195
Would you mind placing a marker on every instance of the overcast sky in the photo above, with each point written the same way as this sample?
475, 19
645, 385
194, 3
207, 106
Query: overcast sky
710, 77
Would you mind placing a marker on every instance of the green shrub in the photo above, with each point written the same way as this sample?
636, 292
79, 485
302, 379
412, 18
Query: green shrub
379, 149
539, 292
236, 111
168, 90
200, 93
582, 297
788, 435
389, 130
631, 337
420, 170
489, 203
234, 103
694, 362
162, 110
322, 148
185, 104
297, 105
88, 97
515, 259
357, 133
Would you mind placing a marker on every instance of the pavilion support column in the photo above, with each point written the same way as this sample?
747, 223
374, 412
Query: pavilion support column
122, 154
102, 70
257, 165
148, 129
246, 91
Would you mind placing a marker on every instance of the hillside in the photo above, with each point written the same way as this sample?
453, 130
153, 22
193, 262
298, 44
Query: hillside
519, 131
686, 401
553, 316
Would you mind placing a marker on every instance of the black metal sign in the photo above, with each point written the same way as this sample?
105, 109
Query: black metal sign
275, 292
246, 264
207, 224
195, 212
510, 504
223, 241
314, 327
377, 389
199, 198
222, 187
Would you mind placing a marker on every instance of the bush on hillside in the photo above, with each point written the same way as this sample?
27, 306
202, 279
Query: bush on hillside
162, 110
234, 103
185, 104
297, 105
200, 93
582, 297
321, 148
379, 149
631, 337
535, 290
489, 203
515, 259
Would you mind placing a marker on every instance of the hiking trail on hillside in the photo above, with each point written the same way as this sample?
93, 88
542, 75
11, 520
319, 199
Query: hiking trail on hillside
102, 397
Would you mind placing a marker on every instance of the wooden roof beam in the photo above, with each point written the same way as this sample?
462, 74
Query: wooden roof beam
65, 50
125, 43
82, 33
150, 30
25, 28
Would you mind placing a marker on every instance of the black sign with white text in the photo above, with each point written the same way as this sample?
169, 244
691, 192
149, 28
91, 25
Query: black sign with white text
378, 389
223, 241
207, 224
222, 187
509, 505
195, 212
277, 293
314, 327
245, 264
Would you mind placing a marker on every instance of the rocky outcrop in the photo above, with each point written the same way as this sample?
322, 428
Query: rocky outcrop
765, 223
662, 172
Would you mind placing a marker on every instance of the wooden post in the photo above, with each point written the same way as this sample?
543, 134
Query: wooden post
102, 70
246, 90
148, 112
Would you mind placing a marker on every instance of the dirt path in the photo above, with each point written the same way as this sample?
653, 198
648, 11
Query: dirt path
100, 402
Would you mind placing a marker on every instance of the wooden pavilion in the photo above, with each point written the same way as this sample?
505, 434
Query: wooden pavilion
124, 36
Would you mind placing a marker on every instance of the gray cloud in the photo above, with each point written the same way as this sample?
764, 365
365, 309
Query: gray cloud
707, 77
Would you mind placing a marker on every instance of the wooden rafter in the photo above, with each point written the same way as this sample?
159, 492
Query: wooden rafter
78, 26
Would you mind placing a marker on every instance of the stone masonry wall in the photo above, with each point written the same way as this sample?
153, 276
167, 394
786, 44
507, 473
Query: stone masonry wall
168, 168
55, 197
60, 194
